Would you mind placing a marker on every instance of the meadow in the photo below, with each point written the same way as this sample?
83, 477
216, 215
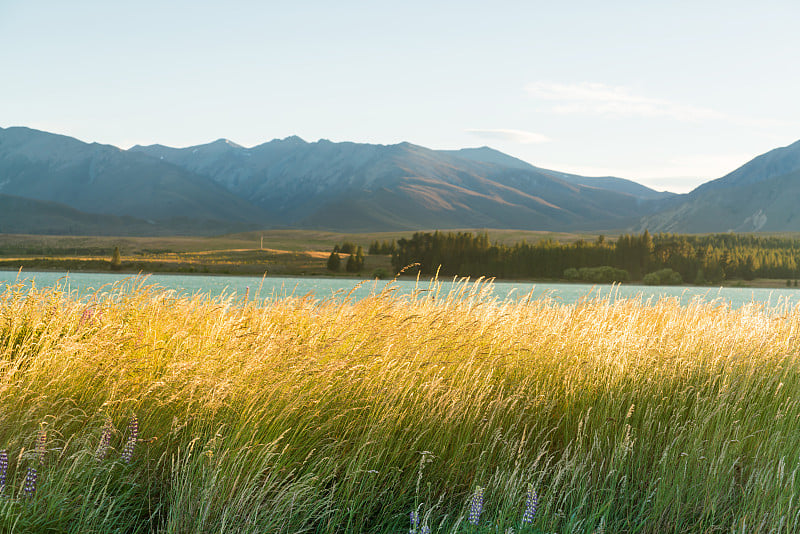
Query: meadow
139, 410
276, 252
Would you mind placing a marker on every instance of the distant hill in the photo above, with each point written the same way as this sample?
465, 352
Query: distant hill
20, 215
762, 195
24, 215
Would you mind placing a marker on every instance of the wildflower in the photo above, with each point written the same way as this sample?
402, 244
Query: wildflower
3, 469
476, 506
601, 528
133, 432
105, 442
86, 316
425, 530
414, 522
30, 482
530, 505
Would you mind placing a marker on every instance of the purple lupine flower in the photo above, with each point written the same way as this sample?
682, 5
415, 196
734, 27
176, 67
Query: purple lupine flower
3, 469
530, 505
30, 482
425, 530
91, 315
86, 316
133, 433
414, 522
41, 443
476, 506
105, 442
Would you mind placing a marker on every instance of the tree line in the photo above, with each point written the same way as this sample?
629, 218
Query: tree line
696, 258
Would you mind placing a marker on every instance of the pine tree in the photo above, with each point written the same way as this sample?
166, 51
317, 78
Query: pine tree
350, 266
359, 259
116, 260
334, 262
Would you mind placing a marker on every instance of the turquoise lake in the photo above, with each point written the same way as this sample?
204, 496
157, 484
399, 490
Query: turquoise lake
325, 288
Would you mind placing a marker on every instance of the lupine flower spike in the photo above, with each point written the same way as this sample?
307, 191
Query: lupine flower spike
41, 443
425, 530
3, 469
133, 433
105, 442
86, 316
414, 522
530, 505
30, 482
601, 528
476, 506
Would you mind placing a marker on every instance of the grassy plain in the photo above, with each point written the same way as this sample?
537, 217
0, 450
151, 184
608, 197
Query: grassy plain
341, 416
281, 252
284, 252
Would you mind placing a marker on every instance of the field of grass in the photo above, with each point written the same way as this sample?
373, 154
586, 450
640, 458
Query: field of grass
288, 252
340, 416
227, 262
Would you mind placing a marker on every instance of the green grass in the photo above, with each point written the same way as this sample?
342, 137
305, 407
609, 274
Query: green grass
289, 240
339, 416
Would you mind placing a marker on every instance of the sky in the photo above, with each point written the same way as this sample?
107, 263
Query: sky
669, 94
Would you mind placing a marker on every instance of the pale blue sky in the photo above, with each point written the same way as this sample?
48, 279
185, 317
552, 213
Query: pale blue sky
670, 95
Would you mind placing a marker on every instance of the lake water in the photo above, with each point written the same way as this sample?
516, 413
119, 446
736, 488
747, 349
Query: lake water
325, 288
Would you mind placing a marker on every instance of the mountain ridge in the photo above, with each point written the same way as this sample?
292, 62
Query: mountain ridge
331, 179
348, 186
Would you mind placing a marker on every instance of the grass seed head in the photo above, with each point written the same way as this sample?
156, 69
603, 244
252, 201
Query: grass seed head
105, 442
130, 445
41, 444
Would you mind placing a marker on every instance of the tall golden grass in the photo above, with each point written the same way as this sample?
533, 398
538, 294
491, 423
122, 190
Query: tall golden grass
298, 415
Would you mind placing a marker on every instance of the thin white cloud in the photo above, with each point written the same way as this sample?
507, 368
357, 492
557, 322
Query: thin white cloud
601, 99
679, 174
513, 136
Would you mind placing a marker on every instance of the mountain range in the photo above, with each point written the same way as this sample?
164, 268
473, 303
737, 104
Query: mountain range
55, 184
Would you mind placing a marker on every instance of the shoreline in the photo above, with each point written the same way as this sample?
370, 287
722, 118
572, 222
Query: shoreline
762, 283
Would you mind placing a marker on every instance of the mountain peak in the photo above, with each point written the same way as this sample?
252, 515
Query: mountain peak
225, 142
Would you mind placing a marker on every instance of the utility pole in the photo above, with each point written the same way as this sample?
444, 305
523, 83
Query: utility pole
262, 242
